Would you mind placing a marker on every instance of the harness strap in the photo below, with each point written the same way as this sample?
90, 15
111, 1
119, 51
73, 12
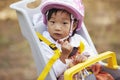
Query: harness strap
81, 47
56, 55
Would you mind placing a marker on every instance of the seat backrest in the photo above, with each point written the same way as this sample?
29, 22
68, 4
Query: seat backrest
28, 30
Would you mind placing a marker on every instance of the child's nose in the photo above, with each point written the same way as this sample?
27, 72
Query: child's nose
58, 27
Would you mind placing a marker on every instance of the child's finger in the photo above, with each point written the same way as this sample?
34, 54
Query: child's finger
62, 42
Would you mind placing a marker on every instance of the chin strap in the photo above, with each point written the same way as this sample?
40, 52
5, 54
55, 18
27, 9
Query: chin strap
71, 26
56, 55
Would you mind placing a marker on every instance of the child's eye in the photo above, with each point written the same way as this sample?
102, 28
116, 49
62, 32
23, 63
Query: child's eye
65, 23
52, 22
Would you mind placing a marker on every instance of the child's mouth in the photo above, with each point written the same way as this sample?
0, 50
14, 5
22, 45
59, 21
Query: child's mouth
57, 34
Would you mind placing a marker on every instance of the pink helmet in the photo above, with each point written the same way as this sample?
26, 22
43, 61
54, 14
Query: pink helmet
75, 7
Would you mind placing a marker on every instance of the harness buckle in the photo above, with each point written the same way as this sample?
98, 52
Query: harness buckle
53, 46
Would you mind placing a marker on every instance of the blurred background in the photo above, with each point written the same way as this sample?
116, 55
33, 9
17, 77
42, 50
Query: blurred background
102, 19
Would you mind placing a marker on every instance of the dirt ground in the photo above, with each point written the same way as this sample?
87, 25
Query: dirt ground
102, 18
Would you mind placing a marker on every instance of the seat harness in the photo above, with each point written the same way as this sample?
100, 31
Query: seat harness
56, 55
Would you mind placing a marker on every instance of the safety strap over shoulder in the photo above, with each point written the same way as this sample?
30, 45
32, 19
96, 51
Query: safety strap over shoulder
53, 58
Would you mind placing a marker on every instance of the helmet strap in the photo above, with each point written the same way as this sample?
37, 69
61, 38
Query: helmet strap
71, 25
70, 33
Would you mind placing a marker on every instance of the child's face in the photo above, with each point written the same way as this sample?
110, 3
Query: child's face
59, 25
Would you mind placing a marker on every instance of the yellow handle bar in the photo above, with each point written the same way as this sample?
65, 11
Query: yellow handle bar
110, 56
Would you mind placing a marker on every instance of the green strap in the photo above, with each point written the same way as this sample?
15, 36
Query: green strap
56, 55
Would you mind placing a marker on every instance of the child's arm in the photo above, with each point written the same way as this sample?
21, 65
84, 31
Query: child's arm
66, 50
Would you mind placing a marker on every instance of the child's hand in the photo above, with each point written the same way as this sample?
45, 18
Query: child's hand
80, 58
66, 50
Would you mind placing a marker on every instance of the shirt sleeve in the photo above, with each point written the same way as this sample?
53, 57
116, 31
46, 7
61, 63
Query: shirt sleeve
58, 67
88, 50
75, 41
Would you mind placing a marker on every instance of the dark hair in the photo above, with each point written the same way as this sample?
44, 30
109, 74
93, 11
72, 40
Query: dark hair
55, 10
